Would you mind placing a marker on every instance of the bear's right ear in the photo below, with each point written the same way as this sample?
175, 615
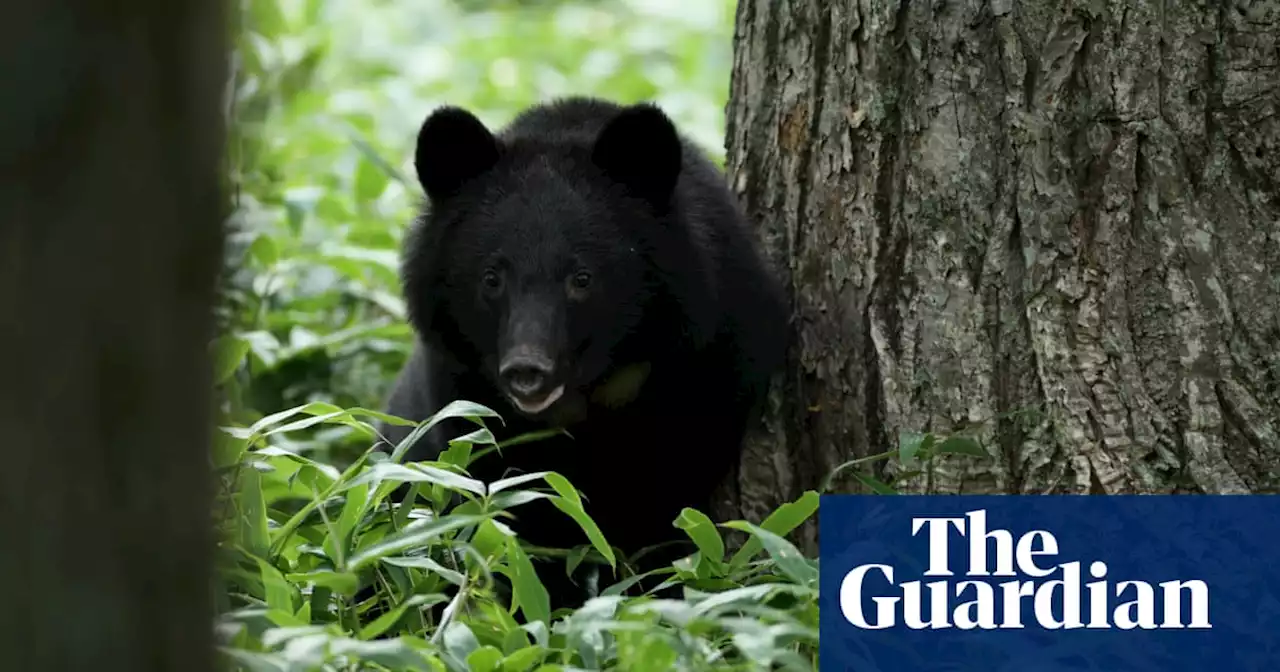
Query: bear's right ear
453, 148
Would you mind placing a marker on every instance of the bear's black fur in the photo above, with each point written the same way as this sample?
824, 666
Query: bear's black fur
589, 259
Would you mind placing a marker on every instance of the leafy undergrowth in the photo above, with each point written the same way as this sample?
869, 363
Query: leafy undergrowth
301, 538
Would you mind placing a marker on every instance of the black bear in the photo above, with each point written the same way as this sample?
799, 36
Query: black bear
587, 268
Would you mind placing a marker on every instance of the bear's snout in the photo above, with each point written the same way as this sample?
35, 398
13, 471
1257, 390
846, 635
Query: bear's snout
529, 378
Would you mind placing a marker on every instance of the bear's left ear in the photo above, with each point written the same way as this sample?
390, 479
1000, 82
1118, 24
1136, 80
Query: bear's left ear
641, 149
453, 148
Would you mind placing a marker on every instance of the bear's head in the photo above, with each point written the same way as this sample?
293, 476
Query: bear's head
534, 261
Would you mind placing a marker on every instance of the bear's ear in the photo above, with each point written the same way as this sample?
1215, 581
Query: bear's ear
453, 147
641, 149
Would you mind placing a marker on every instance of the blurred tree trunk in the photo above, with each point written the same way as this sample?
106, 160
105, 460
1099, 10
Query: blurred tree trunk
110, 242
989, 207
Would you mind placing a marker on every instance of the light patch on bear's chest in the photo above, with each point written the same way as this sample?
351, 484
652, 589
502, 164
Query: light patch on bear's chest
622, 387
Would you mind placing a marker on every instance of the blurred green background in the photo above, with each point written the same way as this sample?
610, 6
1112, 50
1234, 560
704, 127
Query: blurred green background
329, 95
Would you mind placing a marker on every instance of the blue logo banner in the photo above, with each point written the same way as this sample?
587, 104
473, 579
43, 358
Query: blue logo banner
1049, 583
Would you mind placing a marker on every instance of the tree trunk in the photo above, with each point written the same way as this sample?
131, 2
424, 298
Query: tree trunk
983, 208
109, 246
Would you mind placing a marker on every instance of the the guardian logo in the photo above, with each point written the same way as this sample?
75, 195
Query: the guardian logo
989, 605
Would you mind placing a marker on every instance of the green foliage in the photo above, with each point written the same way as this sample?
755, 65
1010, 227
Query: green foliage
303, 536
328, 96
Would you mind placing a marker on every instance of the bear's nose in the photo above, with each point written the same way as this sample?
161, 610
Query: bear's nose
526, 376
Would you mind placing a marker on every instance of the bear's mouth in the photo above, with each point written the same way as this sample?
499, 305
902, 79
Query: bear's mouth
536, 404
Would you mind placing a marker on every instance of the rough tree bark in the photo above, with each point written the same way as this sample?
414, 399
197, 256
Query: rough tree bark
987, 207
110, 244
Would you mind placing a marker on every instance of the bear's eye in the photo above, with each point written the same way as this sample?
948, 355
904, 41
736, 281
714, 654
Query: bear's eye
581, 280
492, 281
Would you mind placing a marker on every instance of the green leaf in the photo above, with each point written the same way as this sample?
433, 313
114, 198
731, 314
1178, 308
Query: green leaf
229, 353
904, 475
406, 506
352, 511
786, 518
264, 250
416, 473
621, 586
304, 423
423, 562
256, 662
958, 444
523, 659
457, 409
514, 498
571, 503
704, 534
754, 593
385, 621
343, 583
254, 533
459, 640
529, 591
284, 619
784, 553
575, 558
372, 157
379, 415
417, 534
530, 437
489, 539
503, 484
269, 420
484, 659
371, 181
279, 592
876, 485
390, 654
228, 448
459, 452
266, 19
516, 639
909, 444
321, 412
273, 451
